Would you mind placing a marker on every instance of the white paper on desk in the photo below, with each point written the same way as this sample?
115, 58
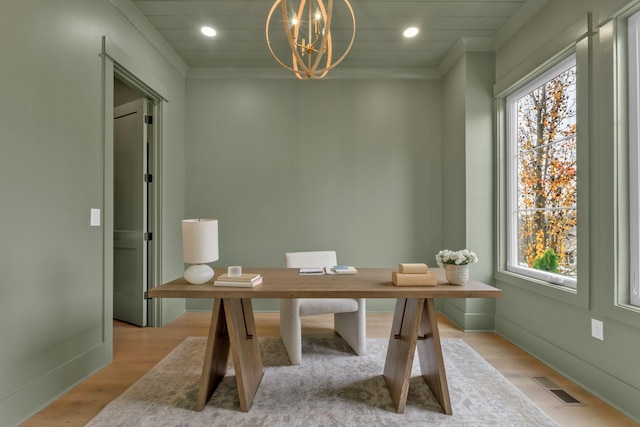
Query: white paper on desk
312, 270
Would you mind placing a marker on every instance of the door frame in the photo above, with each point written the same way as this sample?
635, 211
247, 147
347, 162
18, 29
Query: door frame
126, 305
154, 210
117, 63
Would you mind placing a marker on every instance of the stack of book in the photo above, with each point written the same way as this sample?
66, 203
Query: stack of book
344, 269
245, 280
413, 274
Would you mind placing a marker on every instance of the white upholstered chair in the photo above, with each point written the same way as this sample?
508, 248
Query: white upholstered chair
348, 314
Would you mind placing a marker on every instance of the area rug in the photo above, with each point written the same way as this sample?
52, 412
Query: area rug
332, 387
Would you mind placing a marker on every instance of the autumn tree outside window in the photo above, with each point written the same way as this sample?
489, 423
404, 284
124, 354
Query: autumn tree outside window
542, 176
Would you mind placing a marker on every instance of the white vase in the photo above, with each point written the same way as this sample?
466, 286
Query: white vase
456, 274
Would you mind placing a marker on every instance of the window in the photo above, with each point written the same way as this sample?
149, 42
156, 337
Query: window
542, 177
634, 155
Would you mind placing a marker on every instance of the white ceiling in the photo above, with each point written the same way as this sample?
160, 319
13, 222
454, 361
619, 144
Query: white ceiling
379, 45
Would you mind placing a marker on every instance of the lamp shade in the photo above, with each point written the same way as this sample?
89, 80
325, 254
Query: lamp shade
200, 240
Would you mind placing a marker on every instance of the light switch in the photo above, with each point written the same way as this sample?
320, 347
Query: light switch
95, 217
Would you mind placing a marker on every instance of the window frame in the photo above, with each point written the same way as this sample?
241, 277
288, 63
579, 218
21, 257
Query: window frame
511, 198
612, 109
576, 38
633, 88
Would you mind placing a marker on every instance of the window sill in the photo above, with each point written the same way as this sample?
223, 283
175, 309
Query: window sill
575, 297
625, 313
545, 277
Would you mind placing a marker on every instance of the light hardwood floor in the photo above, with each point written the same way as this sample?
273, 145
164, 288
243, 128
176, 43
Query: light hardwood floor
136, 350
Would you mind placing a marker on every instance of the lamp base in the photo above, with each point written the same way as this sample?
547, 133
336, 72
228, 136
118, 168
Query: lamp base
198, 274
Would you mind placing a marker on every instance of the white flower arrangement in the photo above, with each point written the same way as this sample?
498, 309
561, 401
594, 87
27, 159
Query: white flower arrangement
462, 257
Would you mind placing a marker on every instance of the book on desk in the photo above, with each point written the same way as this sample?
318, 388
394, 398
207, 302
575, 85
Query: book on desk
336, 269
245, 280
311, 271
344, 269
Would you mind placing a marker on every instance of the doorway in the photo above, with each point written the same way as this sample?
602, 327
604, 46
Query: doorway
132, 210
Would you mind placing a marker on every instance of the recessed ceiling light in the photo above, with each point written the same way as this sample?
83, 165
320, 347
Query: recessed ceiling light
410, 32
208, 31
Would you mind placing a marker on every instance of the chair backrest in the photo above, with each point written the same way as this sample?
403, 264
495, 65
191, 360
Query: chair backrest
310, 259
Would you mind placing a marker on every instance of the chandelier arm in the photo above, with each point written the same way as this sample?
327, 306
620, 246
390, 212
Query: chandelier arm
309, 33
329, 57
291, 38
327, 35
296, 58
296, 24
326, 69
298, 19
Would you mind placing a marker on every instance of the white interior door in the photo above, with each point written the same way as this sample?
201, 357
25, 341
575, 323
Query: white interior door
130, 245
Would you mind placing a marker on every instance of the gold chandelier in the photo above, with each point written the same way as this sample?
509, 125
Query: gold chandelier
308, 32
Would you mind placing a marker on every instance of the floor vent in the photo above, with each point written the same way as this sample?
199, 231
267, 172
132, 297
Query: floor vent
552, 388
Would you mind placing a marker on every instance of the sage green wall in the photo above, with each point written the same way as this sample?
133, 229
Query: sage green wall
287, 165
454, 224
53, 326
552, 324
467, 176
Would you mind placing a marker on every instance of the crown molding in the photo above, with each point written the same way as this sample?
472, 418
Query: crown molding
491, 44
142, 24
462, 45
335, 74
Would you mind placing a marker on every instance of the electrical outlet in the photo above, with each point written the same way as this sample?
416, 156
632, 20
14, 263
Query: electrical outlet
95, 217
597, 329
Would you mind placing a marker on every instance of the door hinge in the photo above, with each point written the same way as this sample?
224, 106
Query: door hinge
148, 237
146, 295
148, 120
148, 178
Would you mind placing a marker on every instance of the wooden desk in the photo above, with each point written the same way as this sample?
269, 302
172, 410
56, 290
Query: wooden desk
414, 325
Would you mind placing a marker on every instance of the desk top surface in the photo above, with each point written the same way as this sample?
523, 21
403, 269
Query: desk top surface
288, 283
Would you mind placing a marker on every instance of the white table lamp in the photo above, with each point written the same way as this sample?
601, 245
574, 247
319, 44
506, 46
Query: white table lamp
199, 246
